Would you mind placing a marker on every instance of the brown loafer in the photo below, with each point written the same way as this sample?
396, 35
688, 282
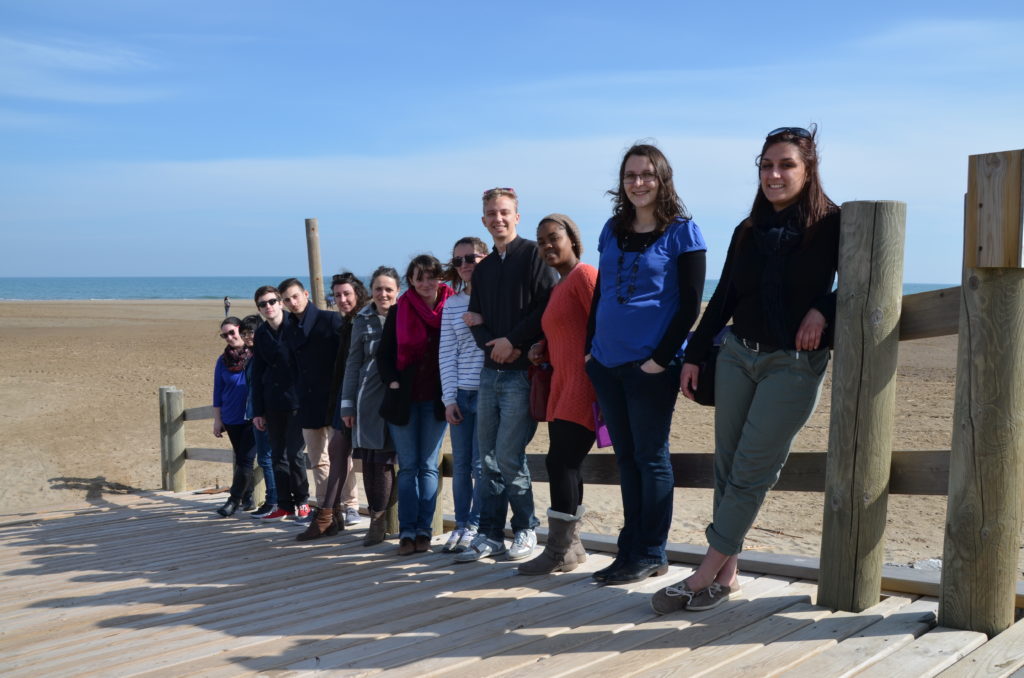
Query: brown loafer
422, 543
406, 546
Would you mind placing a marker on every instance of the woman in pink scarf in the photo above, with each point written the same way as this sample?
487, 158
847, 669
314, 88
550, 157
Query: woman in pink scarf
408, 364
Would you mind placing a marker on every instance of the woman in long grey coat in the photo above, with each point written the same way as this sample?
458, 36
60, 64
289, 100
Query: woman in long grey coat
362, 393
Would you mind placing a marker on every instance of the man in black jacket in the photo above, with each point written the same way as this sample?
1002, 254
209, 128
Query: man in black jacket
275, 406
313, 336
510, 290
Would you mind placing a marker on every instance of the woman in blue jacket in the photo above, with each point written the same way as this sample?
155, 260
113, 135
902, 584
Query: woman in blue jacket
230, 394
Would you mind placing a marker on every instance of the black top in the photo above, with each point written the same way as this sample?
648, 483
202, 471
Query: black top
344, 341
804, 280
313, 341
273, 378
511, 295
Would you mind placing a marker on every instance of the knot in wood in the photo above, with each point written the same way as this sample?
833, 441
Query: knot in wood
876, 317
866, 499
835, 502
985, 532
973, 282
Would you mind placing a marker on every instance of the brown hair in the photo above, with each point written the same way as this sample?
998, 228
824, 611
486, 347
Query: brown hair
347, 278
265, 289
451, 274
492, 193
427, 263
668, 206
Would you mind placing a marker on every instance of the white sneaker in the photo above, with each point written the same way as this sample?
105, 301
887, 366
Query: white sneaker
453, 541
482, 547
468, 535
523, 545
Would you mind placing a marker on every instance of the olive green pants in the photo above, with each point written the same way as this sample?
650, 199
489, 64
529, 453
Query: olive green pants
761, 402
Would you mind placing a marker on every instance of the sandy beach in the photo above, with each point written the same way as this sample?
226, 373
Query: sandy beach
79, 421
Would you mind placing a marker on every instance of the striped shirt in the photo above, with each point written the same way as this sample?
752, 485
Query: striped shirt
459, 357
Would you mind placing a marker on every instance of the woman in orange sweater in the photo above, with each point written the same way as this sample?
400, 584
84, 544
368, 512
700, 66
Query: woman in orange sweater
570, 412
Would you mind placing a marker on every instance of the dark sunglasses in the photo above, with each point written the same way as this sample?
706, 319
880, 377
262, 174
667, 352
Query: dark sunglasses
469, 259
225, 335
267, 302
500, 189
795, 131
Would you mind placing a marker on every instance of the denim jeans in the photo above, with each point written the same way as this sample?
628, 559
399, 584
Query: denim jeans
466, 462
417, 445
266, 462
637, 408
762, 400
504, 429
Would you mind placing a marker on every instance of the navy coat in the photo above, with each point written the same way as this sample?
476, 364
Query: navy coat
273, 375
313, 341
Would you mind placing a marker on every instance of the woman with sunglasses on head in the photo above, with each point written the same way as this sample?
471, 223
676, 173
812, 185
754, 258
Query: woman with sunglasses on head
570, 413
349, 296
776, 287
460, 361
651, 279
407, 359
230, 393
362, 393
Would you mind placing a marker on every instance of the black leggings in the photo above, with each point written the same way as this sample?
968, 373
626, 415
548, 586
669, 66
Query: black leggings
569, 445
339, 449
379, 484
243, 444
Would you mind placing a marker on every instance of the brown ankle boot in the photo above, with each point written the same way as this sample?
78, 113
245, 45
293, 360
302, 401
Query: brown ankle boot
378, 528
318, 527
337, 523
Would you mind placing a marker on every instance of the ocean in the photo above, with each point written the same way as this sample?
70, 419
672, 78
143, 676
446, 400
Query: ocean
211, 287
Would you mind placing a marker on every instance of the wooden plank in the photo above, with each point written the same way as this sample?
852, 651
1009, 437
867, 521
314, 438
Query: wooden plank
911, 472
935, 313
1001, 656
870, 645
209, 454
198, 413
993, 217
808, 642
927, 656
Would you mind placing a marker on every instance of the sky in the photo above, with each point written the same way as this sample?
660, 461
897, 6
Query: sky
184, 138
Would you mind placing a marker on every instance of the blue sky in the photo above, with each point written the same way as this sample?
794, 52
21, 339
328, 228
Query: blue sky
193, 138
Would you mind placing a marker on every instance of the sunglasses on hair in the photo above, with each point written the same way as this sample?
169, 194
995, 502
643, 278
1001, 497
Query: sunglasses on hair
469, 259
795, 131
504, 189
267, 302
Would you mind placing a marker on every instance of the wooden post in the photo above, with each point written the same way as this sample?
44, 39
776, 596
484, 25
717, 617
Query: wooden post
437, 525
316, 276
172, 439
863, 401
986, 470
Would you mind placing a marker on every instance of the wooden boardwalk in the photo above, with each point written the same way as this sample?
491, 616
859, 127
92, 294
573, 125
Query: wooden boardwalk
160, 586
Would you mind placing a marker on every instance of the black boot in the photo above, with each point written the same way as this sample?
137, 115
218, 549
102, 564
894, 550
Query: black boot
228, 509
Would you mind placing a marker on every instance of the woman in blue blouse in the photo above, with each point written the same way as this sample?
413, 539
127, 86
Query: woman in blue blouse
649, 288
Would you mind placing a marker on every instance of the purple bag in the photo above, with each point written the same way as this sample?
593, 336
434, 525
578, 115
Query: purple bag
600, 428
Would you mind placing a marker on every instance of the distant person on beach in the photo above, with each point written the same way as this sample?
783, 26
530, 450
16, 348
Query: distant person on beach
776, 287
340, 494
510, 290
275, 405
649, 288
227, 306
229, 395
312, 336
460, 362
407, 360
264, 458
362, 394
570, 413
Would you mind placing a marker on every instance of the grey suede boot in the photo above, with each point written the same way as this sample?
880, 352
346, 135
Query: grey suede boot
377, 530
559, 554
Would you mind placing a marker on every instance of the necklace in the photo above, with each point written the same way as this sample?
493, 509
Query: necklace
624, 297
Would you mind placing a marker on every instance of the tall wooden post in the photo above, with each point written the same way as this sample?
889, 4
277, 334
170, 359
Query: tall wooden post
316, 276
986, 469
172, 439
863, 401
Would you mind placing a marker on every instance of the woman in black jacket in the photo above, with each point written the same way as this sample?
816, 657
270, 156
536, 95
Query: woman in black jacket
776, 287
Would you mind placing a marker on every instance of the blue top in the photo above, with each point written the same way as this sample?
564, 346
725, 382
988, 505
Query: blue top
229, 393
630, 331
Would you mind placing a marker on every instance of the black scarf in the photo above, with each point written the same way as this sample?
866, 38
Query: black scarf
776, 236
235, 359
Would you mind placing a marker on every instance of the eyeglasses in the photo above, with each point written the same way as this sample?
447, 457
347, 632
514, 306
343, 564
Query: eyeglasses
267, 302
630, 178
230, 333
795, 131
469, 259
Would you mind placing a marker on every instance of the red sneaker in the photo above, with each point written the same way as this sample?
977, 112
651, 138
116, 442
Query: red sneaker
278, 514
302, 512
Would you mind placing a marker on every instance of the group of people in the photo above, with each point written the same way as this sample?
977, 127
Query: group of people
384, 377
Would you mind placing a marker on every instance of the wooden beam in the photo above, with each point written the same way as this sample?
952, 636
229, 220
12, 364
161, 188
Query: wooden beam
930, 314
198, 413
316, 275
172, 408
209, 454
993, 216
